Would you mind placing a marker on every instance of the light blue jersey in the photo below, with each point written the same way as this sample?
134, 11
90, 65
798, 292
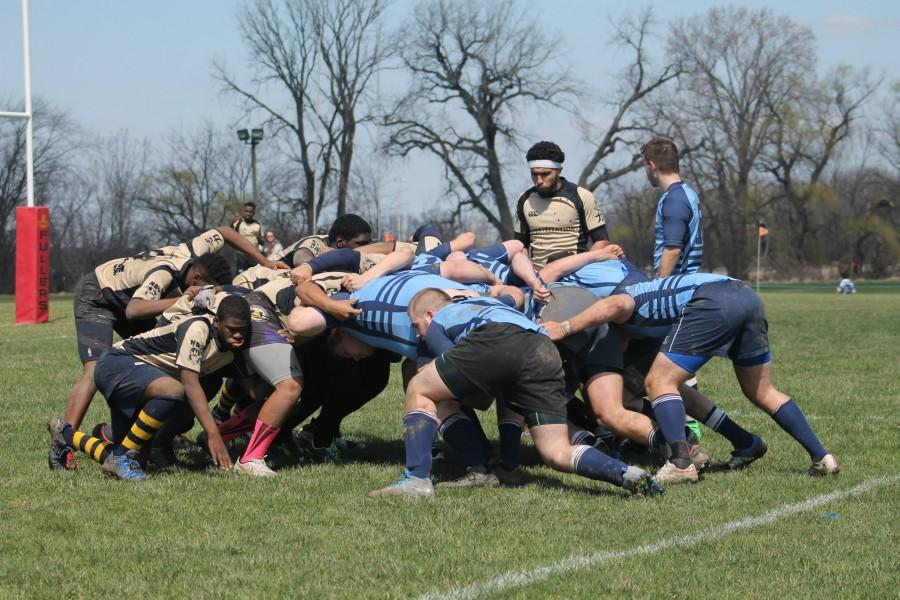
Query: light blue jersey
384, 322
660, 302
602, 278
494, 259
679, 225
455, 321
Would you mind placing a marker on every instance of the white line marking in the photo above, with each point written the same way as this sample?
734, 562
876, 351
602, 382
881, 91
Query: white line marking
514, 579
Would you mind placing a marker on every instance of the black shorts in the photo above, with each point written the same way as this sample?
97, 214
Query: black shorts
96, 320
521, 367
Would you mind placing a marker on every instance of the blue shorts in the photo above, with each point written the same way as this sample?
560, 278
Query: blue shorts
122, 378
724, 318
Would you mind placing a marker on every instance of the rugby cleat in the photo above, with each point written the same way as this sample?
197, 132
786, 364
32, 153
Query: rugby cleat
60, 457
123, 467
669, 474
641, 483
162, 457
477, 476
699, 457
256, 467
408, 487
827, 466
744, 457
509, 477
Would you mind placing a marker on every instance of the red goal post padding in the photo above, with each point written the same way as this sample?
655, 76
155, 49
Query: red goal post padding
32, 264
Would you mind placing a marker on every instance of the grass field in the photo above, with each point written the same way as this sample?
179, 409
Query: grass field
313, 533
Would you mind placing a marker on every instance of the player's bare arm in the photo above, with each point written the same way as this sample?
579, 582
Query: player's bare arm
200, 405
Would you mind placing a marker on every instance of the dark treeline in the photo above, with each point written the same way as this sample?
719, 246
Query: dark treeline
766, 137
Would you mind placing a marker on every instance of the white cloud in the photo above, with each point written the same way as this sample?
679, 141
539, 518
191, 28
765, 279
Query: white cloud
848, 24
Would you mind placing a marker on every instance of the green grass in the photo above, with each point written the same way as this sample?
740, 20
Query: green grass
311, 532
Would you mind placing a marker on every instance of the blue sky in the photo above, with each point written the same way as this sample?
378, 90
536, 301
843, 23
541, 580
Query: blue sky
145, 66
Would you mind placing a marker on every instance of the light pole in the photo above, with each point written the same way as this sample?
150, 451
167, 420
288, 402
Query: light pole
252, 137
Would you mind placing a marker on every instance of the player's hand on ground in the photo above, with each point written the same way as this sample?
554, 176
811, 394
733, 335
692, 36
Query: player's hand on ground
345, 310
352, 282
554, 330
301, 274
218, 451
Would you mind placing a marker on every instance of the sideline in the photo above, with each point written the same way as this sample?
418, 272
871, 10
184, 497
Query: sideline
514, 579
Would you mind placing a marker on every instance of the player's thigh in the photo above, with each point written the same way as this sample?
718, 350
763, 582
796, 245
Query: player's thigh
604, 391
427, 387
665, 375
167, 387
276, 363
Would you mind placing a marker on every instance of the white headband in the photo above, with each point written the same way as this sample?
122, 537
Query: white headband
544, 164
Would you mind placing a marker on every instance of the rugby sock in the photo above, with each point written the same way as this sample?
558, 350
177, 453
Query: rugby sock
227, 400
236, 426
655, 439
593, 464
419, 429
510, 443
92, 446
461, 433
670, 415
791, 419
150, 418
482, 436
260, 441
722, 424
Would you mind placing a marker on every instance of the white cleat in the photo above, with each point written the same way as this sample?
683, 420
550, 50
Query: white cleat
669, 474
256, 467
827, 466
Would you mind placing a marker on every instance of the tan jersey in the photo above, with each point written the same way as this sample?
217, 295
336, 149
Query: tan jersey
303, 250
252, 231
154, 274
183, 308
259, 275
558, 226
427, 244
330, 281
190, 344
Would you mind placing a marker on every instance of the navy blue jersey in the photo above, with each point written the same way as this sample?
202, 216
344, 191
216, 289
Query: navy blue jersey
455, 321
679, 225
660, 302
384, 322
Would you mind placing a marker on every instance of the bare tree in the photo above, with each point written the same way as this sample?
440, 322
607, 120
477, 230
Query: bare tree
199, 186
323, 54
739, 63
473, 65
56, 140
635, 116
808, 130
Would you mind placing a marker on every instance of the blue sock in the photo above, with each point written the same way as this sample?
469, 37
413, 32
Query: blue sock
593, 464
462, 434
668, 409
722, 424
482, 436
791, 419
670, 416
655, 439
510, 443
419, 429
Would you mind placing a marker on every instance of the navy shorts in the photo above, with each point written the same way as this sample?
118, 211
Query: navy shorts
724, 318
122, 379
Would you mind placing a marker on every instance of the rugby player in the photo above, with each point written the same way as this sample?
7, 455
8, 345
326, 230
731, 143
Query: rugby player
710, 315
126, 294
145, 377
482, 345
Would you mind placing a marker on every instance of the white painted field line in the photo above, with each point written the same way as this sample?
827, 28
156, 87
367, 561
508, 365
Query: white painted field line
514, 579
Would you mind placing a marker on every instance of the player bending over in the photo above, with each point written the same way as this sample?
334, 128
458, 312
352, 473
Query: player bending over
710, 315
482, 345
144, 378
